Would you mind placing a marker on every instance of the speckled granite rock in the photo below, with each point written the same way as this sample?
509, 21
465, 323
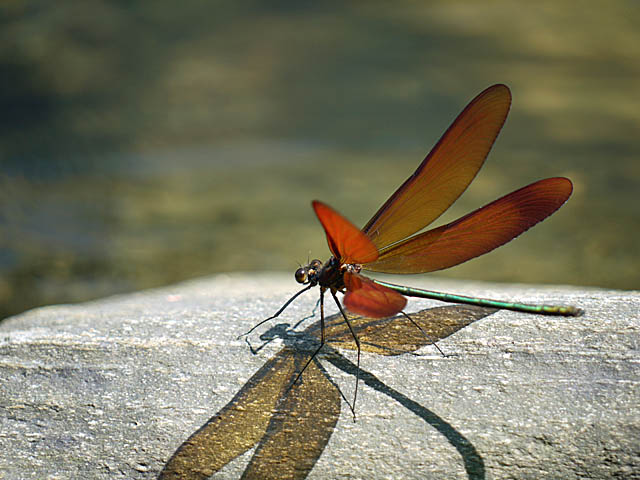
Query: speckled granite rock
111, 388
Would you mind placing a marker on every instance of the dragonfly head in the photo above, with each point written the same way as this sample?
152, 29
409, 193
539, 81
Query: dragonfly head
309, 273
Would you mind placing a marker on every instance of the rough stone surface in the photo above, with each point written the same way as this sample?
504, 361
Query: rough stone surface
111, 388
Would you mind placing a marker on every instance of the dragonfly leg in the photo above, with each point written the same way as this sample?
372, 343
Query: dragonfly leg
277, 314
357, 340
313, 314
426, 335
321, 339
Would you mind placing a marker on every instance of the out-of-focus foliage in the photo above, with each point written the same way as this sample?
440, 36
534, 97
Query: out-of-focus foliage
143, 143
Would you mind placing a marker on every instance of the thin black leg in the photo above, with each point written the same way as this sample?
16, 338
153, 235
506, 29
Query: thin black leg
321, 338
277, 314
355, 337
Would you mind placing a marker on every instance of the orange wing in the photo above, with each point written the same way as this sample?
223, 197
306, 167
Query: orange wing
346, 242
369, 299
476, 233
445, 173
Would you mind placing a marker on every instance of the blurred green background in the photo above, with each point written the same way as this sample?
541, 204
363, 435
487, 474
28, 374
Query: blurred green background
142, 143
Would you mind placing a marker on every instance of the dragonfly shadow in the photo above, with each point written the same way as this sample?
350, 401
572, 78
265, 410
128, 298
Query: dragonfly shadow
290, 425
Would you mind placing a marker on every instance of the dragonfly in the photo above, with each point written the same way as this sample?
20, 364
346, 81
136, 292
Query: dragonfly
392, 241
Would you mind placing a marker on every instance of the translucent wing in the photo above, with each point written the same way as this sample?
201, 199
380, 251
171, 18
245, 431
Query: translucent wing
476, 233
346, 242
367, 298
445, 173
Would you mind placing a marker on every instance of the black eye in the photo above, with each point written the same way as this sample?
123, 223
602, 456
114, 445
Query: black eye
301, 275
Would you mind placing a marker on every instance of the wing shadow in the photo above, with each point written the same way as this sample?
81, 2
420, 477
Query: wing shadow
291, 424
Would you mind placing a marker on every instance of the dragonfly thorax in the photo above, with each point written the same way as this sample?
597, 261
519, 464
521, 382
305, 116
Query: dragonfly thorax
351, 268
327, 275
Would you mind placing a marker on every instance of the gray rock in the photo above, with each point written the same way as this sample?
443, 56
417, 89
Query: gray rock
112, 388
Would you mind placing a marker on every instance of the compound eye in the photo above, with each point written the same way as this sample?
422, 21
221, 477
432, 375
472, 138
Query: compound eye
316, 264
301, 275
